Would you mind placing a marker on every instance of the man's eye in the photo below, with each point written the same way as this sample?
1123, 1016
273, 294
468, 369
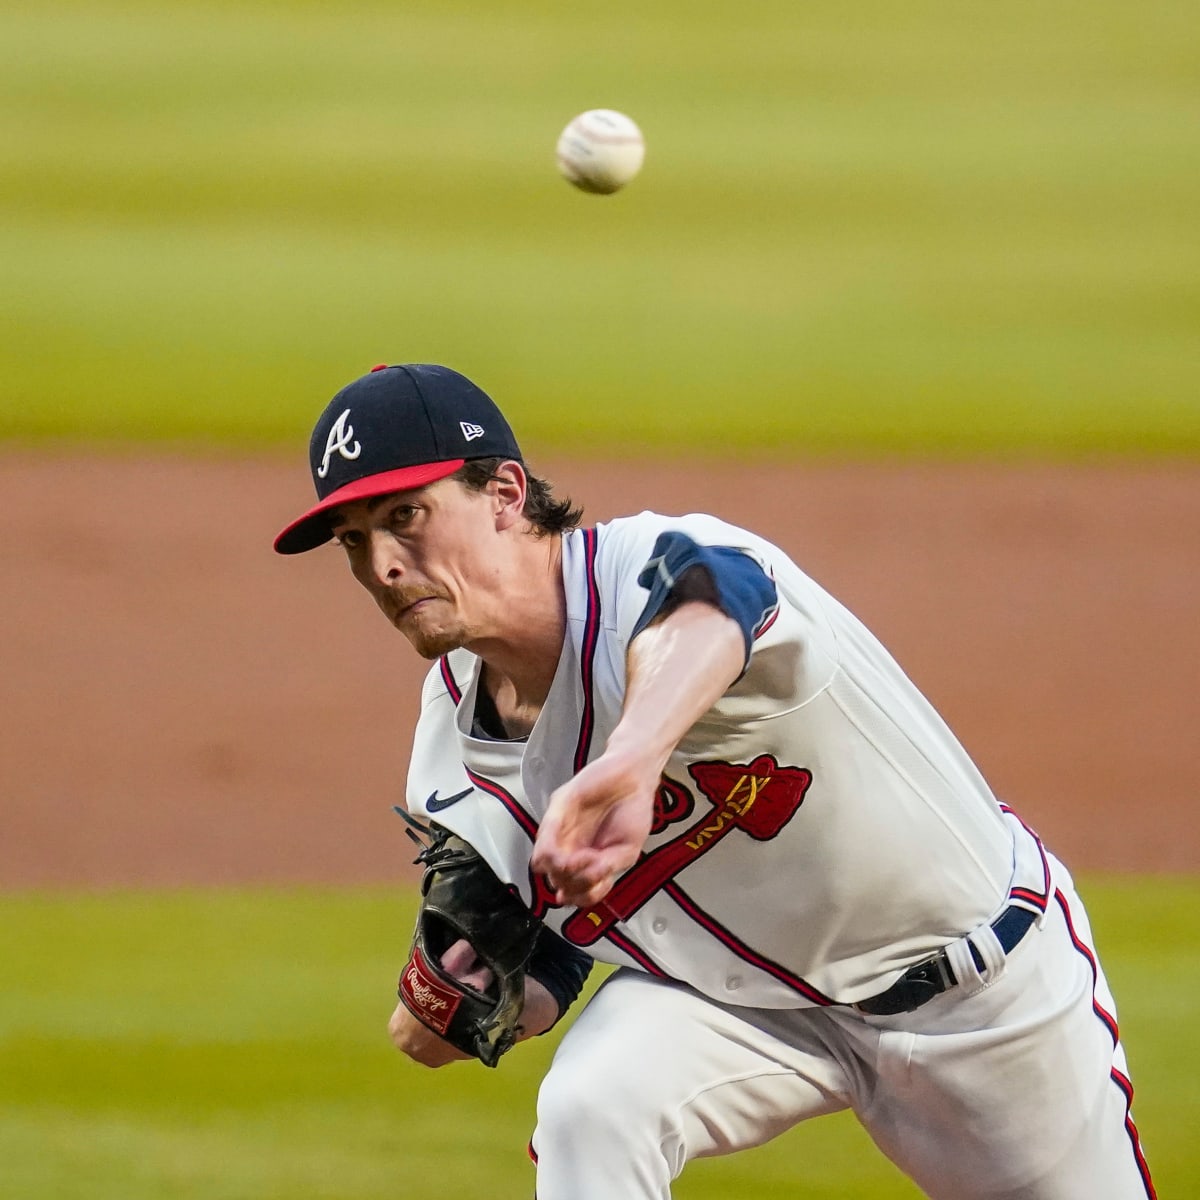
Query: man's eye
402, 514
349, 539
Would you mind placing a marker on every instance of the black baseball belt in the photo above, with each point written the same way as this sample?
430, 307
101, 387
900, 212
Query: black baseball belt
930, 978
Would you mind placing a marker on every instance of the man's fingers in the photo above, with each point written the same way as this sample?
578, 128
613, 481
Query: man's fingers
574, 897
581, 893
553, 853
461, 961
568, 843
585, 878
459, 958
595, 827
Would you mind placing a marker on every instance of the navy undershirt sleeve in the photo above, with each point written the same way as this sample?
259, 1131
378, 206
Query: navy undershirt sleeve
559, 967
744, 591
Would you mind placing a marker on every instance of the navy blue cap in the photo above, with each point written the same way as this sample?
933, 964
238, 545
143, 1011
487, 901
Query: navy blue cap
395, 428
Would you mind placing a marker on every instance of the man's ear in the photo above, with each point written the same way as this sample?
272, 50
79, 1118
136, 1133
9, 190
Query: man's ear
509, 486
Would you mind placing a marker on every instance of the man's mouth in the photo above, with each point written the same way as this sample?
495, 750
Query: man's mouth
412, 607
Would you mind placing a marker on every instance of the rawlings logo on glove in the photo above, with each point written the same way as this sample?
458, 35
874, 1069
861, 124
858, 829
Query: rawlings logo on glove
430, 1001
462, 900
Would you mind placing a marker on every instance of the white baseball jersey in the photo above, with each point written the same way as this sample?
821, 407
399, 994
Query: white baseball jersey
817, 832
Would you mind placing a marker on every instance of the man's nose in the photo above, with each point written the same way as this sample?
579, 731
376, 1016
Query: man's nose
386, 565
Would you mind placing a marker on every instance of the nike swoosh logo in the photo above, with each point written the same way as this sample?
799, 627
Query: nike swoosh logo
433, 804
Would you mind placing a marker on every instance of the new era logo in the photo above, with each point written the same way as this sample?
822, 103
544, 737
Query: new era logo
469, 431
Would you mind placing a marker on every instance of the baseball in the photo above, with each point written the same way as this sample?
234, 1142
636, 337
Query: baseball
600, 151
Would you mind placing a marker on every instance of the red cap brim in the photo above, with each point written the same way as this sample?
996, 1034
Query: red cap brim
312, 529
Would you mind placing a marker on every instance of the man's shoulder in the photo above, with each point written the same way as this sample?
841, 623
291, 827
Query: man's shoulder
647, 525
624, 545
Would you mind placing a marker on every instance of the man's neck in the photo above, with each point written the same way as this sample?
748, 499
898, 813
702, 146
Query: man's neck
520, 662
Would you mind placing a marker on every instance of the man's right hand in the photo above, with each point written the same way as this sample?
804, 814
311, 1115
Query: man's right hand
597, 823
595, 826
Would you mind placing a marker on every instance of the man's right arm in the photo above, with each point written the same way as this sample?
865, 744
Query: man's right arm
597, 823
704, 609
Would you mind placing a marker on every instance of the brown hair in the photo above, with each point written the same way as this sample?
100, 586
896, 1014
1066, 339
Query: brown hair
546, 514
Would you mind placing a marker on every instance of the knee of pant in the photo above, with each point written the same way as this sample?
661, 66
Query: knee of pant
594, 1102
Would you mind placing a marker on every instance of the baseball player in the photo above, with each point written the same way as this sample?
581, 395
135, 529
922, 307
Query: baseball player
686, 758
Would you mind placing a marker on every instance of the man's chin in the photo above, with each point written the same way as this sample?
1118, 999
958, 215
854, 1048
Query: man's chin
432, 645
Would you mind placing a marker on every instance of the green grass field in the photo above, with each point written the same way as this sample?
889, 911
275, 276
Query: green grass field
228, 1045
946, 229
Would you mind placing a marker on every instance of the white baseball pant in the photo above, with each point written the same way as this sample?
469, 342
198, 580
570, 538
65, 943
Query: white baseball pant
1017, 1092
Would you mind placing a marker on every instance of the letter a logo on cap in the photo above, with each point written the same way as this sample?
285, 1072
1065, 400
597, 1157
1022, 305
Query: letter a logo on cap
471, 432
339, 439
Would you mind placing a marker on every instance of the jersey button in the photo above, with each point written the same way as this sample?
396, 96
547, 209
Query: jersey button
660, 925
733, 983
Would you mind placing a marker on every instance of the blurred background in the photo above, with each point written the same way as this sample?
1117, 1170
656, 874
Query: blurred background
937, 227
914, 289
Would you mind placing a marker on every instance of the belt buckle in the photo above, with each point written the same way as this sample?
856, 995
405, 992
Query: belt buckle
917, 986
939, 968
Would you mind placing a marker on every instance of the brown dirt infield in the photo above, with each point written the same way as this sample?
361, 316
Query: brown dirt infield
182, 706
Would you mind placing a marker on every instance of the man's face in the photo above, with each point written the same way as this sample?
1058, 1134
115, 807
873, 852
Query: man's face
429, 557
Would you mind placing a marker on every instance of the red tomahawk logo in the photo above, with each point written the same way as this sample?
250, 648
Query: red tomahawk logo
760, 799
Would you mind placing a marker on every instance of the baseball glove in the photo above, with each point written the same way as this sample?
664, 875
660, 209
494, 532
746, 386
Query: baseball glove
461, 897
